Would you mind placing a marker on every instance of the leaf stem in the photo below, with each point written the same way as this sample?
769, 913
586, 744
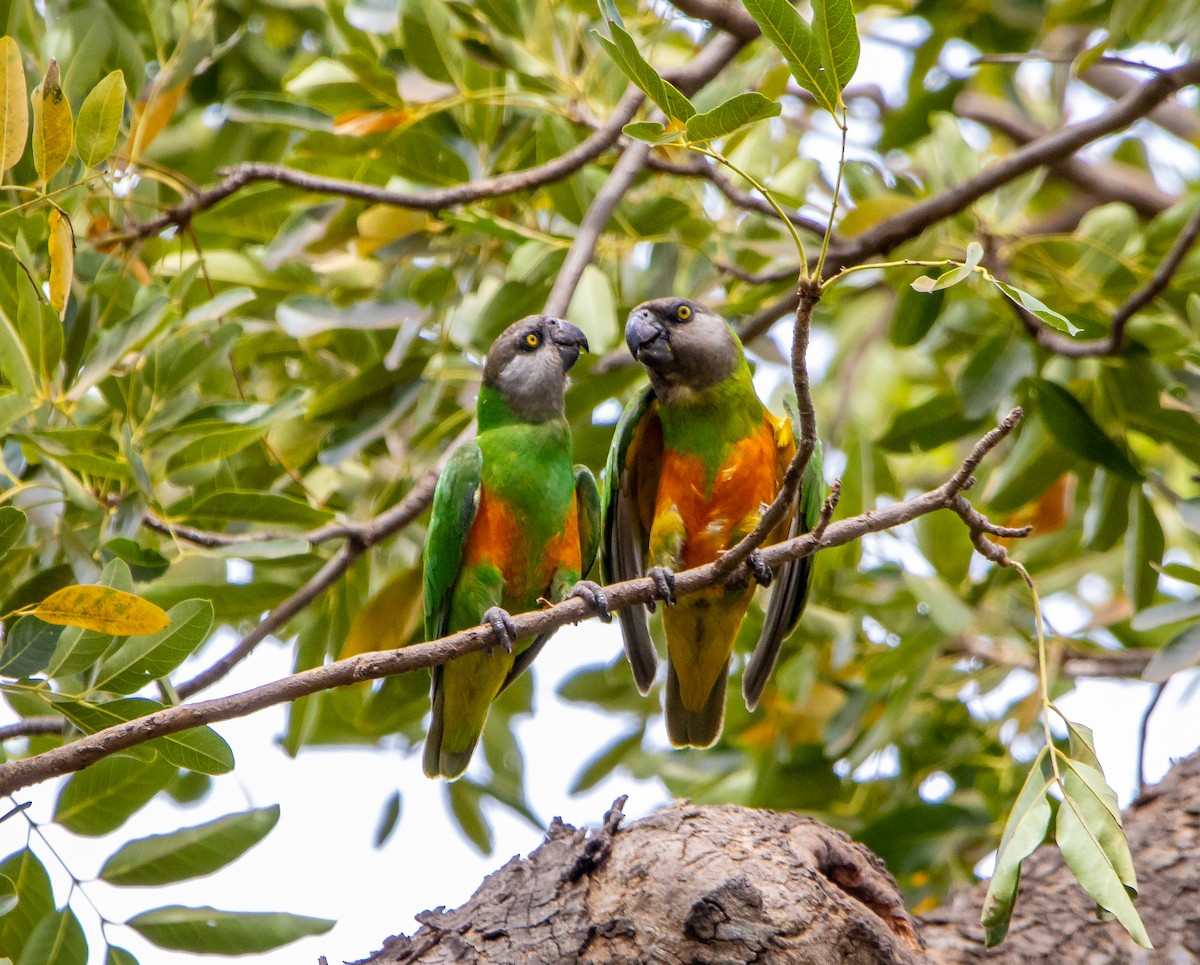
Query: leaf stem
761, 189
837, 190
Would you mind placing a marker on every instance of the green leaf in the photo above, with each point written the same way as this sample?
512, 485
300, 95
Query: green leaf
214, 445
189, 852
792, 36
1077, 431
41, 331
949, 613
916, 311
389, 819
933, 423
140, 660
1039, 308
213, 932
1165, 614
119, 956
252, 107
103, 796
465, 798
57, 939
12, 527
1181, 652
36, 899
625, 55
99, 120
28, 647
1107, 516
1144, 545
651, 132
606, 761
251, 507
739, 111
144, 563
837, 36
8, 895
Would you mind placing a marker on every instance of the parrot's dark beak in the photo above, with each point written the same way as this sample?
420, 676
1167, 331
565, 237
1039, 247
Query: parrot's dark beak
568, 339
648, 339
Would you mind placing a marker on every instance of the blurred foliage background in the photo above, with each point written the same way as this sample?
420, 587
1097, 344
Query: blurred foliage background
288, 358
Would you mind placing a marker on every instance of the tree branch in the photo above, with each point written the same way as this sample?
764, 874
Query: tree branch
1107, 182
78, 754
1114, 344
1112, 81
236, 178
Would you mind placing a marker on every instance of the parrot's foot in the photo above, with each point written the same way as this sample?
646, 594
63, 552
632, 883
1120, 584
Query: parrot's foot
758, 568
502, 626
593, 593
664, 585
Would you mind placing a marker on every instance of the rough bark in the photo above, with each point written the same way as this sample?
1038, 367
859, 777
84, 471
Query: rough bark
730, 885
713, 885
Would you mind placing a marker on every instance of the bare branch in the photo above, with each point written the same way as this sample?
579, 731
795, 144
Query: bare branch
1044, 151
726, 15
1106, 182
1114, 344
583, 247
238, 177
33, 727
78, 754
1179, 120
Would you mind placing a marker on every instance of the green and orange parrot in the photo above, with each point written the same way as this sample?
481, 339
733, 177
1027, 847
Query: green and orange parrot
695, 460
513, 523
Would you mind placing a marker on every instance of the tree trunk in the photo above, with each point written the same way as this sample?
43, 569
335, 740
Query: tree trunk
730, 885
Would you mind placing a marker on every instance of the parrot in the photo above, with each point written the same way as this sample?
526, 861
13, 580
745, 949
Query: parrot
513, 525
695, 459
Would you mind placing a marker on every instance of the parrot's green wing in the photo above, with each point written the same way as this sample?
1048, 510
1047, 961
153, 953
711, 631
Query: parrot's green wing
789, 591
587, 503
455, 502
630, 488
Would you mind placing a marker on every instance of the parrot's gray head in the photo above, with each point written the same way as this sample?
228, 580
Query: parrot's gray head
683, 345
528, 365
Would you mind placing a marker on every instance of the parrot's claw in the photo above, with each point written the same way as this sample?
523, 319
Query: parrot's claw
502, 626
664, 585
593, 593
758, 568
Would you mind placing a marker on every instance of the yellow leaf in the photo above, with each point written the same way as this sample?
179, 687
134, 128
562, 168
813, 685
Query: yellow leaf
62, 260
870, 211
360, 123
53, 126
14, 114
151, 116
383, 223
103, 609
390, 617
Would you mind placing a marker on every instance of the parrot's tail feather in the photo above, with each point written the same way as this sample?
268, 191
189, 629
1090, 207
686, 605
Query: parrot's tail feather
695, 728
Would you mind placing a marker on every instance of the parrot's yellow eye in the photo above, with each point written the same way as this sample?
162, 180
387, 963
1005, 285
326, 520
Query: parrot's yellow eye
683, 312
533, 340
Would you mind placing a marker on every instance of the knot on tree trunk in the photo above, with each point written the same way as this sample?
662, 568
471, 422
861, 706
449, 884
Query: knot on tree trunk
716, 885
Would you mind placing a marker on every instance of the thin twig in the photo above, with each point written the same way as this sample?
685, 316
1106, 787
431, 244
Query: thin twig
32, 727
238, 177
360, 539
1143, 730
78, 754
1114, 343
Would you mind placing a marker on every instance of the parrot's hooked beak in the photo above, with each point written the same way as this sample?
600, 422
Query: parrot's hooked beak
568, 339
648, 338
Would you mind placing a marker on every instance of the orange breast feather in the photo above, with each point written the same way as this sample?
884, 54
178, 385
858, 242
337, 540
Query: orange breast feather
746, 480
